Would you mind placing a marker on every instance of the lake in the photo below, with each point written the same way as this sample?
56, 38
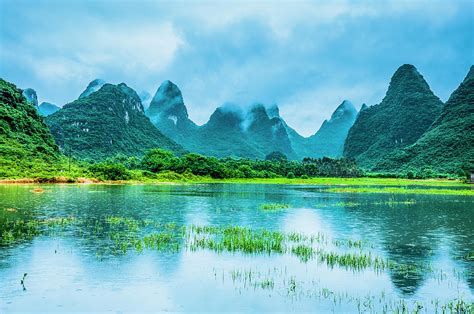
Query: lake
231, 247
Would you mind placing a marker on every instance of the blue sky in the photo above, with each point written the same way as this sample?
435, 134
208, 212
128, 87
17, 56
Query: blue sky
305, 56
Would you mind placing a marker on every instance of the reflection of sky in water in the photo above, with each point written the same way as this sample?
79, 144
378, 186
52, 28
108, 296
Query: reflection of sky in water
432, 229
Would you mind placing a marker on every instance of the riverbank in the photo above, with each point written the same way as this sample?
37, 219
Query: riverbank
364, 181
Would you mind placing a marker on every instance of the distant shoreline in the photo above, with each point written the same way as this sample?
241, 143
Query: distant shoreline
330, 181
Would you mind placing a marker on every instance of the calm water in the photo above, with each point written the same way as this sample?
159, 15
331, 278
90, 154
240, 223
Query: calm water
69, 271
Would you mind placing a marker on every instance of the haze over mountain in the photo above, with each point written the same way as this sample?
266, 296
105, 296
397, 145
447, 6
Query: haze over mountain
169, 114
230, 131
93, 86
146, 98
448, 145
31, 97
105, 123
330, 138
46, 108
406, 112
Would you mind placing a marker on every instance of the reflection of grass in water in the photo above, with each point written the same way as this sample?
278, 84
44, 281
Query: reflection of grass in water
118, 235
285, 283
400, 190
274, 206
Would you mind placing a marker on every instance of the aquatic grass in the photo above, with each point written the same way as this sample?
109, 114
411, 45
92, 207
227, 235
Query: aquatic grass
14, 231
274, 206
303, 252
401, 190
118, 235
234, 238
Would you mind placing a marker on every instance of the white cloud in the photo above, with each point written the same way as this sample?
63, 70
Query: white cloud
87, 53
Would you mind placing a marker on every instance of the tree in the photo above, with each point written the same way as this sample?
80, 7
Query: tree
157, 160
276, 156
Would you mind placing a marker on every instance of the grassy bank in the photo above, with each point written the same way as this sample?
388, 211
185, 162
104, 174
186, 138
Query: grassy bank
297, 181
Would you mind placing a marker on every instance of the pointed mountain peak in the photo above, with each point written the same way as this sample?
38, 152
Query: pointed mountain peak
407, 71
470, 75
258, 109
122, 96
407, 79
346, 108
364, 106
168, 101
93, 86
273, 111
226, 116
31, 97
346, 105
167, 89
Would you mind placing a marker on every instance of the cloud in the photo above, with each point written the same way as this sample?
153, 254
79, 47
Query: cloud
305, 56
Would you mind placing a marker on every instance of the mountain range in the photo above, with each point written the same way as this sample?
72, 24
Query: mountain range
409, 129
253, 133
106, 122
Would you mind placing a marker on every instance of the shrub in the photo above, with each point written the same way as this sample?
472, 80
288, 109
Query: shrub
110, 171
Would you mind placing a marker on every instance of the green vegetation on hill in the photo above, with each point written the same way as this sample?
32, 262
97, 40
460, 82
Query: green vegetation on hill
229, 131
26, 145
105, 123
251, 133
406, 112
169, 114
448, 145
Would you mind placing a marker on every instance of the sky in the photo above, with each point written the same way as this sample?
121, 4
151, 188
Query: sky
304, 56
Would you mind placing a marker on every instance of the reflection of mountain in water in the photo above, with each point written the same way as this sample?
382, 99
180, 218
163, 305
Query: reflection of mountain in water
410, 229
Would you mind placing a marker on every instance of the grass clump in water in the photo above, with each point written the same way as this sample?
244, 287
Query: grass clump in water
303, 252
234, 239
274, 206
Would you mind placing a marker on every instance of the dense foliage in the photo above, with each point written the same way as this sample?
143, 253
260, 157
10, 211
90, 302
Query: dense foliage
161, 161
105, 123
406, 112
448, 145
26, 145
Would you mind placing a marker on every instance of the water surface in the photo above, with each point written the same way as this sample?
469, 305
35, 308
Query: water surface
73, 270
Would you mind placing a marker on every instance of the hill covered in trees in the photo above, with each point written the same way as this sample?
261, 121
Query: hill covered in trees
448, 145
406, 112
25, 140
103, 123
253, 132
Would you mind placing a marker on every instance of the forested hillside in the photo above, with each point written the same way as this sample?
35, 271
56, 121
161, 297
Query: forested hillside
25, 140
448, 145
106, 122
406, 112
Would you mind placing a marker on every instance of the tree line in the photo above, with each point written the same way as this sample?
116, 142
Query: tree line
159, 161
